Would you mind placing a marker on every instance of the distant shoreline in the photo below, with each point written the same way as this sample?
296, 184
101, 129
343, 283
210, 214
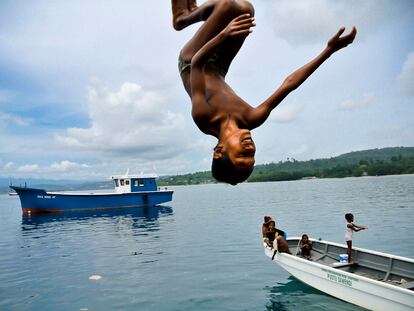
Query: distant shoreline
251, 182
373, 162
302, 179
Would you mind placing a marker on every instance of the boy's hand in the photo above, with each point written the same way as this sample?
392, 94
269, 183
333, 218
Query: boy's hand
239, 26
337, 42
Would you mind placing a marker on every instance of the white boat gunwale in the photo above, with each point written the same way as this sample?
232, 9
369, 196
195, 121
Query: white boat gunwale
358, 249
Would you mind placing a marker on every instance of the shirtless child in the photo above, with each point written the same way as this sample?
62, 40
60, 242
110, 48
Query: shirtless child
203, 65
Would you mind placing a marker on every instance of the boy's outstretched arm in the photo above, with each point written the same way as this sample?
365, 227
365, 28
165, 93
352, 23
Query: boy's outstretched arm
239, 26
356, 227
294, 80
359, 228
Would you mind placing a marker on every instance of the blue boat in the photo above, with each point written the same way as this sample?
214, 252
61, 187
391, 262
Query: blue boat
130, 191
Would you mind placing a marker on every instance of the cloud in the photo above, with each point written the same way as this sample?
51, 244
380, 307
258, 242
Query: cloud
58, 170
8, 165
308, 22
205, 144
286, 113
28, 168
5, 95
128, 122
299, 150
406, 77
7, 117
66, 165
350, 104
65, 41
398, 134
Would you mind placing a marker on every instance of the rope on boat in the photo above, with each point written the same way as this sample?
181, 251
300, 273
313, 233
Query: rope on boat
275, 246
297, 247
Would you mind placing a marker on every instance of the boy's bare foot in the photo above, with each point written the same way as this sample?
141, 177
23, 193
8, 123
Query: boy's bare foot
178, 22
179, 8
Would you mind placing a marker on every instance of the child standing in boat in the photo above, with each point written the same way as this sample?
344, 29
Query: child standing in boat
349, 231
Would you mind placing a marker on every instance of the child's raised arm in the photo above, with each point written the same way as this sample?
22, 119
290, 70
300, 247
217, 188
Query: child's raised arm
262, 112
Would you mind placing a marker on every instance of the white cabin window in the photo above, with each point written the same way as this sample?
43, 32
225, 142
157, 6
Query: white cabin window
136, 183
127, 182
116, 183
141, 183
122, 182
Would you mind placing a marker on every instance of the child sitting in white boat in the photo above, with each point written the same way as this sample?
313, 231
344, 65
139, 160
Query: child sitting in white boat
305, 246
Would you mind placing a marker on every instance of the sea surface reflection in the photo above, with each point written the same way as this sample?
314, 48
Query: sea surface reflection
96, 231
59, 252
141, 217
295, 295
205, 253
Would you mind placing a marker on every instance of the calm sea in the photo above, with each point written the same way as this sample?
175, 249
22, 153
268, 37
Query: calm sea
201, 252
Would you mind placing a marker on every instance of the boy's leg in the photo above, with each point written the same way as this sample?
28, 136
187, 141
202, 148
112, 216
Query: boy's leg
228, 52
306, 252
217, 15
349, 250
282, 245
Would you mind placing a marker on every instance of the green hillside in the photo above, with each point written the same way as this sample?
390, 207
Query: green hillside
377, 154
385, 161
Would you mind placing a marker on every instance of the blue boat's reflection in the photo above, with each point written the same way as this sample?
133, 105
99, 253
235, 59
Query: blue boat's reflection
295, 295
139, 216
88, 237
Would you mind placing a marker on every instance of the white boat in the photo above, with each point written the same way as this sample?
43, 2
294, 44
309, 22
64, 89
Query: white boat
376, 281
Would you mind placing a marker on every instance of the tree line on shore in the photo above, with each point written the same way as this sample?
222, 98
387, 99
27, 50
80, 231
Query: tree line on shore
374, 162
395, 166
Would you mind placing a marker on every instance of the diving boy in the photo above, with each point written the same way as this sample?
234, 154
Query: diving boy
203, 64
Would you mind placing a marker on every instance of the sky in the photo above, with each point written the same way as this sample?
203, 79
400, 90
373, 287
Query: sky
89, 89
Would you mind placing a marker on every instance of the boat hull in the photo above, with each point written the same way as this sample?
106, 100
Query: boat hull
39, 201
356, 289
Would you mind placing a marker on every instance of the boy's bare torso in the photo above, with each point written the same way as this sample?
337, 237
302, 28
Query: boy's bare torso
224, 103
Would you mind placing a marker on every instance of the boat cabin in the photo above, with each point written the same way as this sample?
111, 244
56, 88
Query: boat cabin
134, 183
